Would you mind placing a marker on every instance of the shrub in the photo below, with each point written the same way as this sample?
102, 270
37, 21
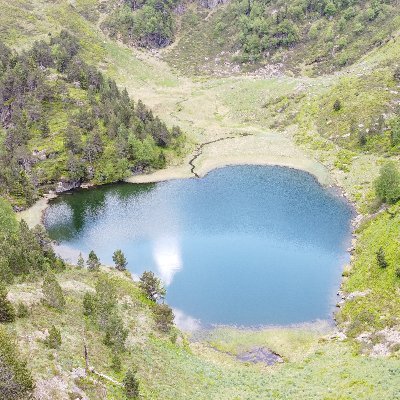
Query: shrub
337, 105
131, 384
116, 363
89, 304
81, 262
7, 312
119, 260
387, 185
15, 379
52, 292
93, 261
395, 131
53, 341
22, 310
396, 74
164, 317
397, 272
151, 286
115, 332
381, 258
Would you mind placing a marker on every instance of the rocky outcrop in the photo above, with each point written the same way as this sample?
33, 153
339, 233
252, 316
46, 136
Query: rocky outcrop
65, 186
212, 3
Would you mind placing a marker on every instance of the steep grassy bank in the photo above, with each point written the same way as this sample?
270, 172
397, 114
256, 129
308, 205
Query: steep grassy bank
316, 366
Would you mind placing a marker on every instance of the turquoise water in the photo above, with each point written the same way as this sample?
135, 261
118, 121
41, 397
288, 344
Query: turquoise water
245, 245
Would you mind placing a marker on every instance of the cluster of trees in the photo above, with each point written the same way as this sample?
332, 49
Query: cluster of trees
265, 26
146, 23
387, 185
104, 134
23, 251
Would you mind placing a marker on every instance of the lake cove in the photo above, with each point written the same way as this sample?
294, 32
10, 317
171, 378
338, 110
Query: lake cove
245, 245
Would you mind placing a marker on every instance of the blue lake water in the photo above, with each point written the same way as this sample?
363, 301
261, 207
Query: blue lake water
245, 245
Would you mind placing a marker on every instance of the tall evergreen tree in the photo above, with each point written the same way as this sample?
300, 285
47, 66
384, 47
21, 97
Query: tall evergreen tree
52, 292
93, 261
119, 260
7, 311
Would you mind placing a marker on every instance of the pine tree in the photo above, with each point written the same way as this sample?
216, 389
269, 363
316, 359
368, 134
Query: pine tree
93, 261
387, 185
7, 311
119, 260
337, 105
381, 258
52, 292
54, 339
81, 261
164, 317
131, 384
152, 286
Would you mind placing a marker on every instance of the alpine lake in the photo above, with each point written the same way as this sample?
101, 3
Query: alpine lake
245, 245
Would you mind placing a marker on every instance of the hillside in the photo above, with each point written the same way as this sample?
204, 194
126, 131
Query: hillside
305, 84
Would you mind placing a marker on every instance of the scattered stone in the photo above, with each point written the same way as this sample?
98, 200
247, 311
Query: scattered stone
353, 295
260, 355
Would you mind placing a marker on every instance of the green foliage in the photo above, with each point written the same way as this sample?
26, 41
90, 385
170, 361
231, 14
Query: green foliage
337, 105
147, 23
378, 308
387, 185
164, 317
78, 127
152, 286
81, 261
52, 292
7, 311
22, 250
54, 341
89, 304
395, 131
131, 384
381, 258
102, 307
119, 260
16, 382
22, 310
93, 261
116, 364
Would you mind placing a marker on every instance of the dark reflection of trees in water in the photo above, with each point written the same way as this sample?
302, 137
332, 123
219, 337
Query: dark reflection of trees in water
88, 204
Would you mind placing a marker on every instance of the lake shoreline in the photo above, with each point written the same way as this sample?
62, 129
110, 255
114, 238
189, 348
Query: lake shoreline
33, 215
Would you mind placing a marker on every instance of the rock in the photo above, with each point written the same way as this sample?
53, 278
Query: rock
353, 295
64, 186
39, 154
212, 3
260, 355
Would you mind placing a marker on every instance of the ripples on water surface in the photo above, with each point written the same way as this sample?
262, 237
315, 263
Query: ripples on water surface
246, 245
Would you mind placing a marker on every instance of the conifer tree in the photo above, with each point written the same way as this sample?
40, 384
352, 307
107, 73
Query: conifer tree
7, 311
81, 261
54, 339
131, 384
93, 261
152, 286
52, 292
381, 258
119, 260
